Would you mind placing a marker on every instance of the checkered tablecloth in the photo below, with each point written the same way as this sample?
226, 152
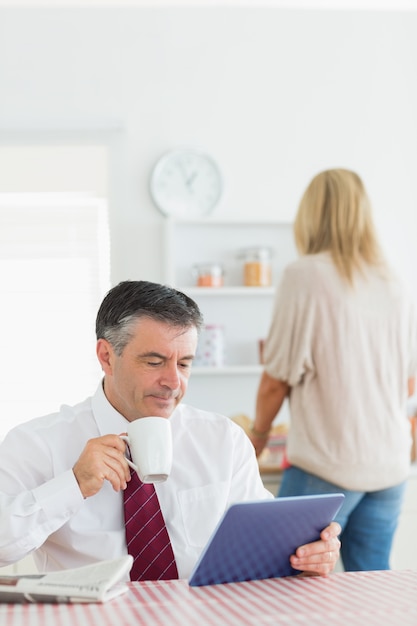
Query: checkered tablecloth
360, 598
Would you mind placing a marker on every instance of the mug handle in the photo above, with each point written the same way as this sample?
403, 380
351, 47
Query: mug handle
129, 462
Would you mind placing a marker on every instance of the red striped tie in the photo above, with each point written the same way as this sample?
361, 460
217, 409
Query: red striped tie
147, 538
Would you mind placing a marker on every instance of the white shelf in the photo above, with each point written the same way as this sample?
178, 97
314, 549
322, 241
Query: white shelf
198, 221
227, 370
188, 243
243, 313
228, 291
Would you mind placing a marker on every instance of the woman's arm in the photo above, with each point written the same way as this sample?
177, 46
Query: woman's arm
271, 395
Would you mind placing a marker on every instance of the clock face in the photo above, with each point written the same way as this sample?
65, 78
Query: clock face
186, 183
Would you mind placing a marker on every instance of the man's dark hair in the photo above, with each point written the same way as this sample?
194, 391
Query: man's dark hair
133, 299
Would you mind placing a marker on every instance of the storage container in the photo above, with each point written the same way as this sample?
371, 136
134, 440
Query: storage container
208, 274
257, 268
210, 347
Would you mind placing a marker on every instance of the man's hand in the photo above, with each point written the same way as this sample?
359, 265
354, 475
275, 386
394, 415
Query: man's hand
102, 459
319, 558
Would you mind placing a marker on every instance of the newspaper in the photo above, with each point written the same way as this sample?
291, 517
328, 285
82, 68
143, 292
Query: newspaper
99, 582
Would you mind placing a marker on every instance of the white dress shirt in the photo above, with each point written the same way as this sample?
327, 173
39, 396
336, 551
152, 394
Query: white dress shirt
42, 508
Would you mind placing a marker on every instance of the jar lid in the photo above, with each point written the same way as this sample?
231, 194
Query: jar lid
256, 253
212, 269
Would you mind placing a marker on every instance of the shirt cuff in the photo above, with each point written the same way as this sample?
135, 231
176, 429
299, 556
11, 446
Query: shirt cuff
60, 496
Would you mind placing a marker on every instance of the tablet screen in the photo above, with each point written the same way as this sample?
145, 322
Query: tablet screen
254, 540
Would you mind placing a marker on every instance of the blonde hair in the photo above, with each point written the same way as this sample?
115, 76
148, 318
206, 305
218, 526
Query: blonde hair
334, 215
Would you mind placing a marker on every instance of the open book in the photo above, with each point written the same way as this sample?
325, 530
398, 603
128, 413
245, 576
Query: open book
99, 582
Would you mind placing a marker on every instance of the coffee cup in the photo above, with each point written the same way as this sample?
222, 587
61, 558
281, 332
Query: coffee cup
150, 444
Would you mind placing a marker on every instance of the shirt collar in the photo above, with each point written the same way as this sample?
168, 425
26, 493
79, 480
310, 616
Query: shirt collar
108, 420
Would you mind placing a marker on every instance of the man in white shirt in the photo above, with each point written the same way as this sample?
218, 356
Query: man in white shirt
62, 476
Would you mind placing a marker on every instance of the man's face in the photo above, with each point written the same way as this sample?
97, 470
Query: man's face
151, 375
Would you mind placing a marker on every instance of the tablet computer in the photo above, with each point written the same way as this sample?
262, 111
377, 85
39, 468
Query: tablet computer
254, 540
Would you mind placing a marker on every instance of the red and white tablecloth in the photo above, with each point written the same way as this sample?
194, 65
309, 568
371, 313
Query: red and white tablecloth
362, 598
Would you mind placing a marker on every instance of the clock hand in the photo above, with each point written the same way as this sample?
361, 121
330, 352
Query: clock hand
184, 171
191, 179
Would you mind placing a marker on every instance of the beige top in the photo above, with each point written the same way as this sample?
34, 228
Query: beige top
347, 354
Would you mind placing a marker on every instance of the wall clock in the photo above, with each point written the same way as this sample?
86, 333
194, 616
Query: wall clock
186, 183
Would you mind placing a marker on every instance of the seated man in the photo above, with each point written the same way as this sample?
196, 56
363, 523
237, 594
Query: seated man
62, 476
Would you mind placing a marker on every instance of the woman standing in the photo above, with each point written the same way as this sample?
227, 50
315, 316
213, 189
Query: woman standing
343, 347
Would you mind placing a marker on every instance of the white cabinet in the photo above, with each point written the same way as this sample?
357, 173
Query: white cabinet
243, 312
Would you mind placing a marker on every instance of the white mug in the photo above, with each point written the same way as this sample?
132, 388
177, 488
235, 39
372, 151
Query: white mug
150, 444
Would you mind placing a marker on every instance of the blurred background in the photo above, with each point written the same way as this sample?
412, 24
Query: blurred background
93, 93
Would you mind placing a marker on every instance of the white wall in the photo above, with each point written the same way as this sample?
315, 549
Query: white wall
273, 94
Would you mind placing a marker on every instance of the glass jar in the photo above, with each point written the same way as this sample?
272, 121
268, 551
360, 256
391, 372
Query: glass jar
210, 347
257, 269
208, 274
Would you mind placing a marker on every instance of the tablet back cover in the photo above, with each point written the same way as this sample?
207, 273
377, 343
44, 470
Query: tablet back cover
254, 540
